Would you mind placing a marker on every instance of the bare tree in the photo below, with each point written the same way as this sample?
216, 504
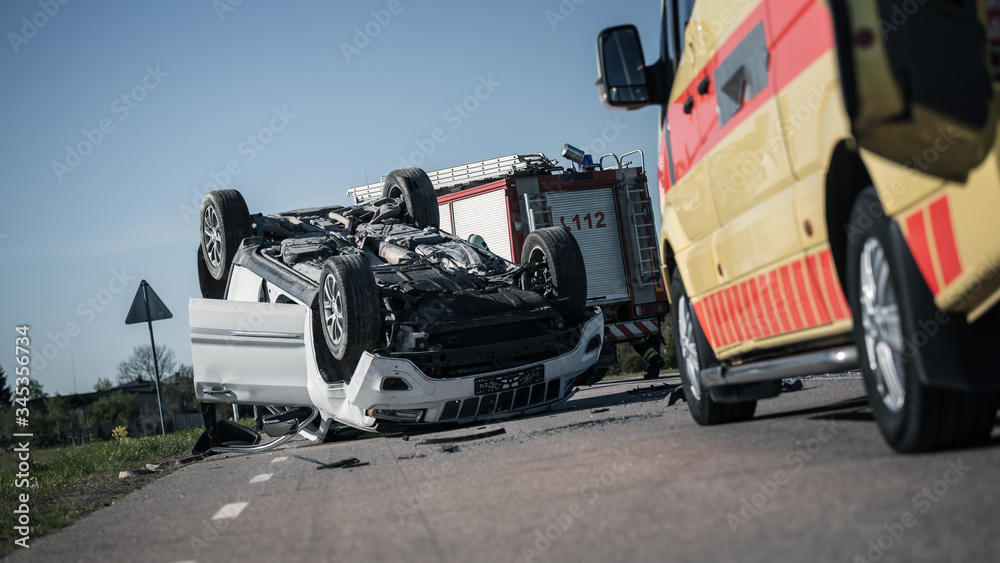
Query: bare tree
139, 364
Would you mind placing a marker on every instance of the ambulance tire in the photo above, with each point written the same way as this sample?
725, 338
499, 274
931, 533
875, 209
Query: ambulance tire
414, 187
888, 308
693, 355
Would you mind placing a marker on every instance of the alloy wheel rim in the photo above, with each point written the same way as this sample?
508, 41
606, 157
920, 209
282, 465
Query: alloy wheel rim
212, 237
689, 347
882, 326
333, 310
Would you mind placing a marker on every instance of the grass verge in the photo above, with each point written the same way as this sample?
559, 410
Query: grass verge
64, 484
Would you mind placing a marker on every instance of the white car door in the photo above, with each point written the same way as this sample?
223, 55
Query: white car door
250, 353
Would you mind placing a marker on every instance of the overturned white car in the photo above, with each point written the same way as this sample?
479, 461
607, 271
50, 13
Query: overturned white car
372, 317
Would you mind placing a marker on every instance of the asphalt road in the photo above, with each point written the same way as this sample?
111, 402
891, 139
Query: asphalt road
609, 476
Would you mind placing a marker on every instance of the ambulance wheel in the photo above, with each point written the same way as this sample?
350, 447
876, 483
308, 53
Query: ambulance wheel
694, 354
562, 276
417, 192
912, 416
225, 222
350, 310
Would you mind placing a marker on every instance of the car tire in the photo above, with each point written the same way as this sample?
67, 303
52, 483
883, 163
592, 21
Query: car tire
912, 416
563, 279
695, 354
350, 309
225, 222
417, 192
211, 288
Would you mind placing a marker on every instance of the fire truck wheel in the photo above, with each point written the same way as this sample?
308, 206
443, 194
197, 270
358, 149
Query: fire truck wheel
225, 222
415, 188
695, 354
350, 310
563, 278
887, 309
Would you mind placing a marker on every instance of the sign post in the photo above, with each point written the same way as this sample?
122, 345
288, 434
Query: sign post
148, 307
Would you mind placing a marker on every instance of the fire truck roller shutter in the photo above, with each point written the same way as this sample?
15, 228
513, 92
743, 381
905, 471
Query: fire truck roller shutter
485, 215
593, 219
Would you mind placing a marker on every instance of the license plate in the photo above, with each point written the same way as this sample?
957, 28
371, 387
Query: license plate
509, 380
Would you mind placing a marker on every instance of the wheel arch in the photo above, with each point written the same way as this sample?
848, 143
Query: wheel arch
846, 177
669, 264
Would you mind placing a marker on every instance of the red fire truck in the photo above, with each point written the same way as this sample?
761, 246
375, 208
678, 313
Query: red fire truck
607, 208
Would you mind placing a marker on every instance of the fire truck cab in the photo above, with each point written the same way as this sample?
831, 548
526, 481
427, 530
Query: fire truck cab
606, 205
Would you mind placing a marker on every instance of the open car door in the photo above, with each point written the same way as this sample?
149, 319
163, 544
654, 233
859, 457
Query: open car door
249, 353
916, 77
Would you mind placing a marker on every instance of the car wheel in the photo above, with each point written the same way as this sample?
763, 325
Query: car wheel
417, 192
211, 288
695, 354
225, 222
911, 416
562, 278
350, 308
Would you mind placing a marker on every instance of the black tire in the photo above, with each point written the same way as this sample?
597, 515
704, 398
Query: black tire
417, 192
349, 308
912, 416
694, 354
211, 288
224, 222
563, 279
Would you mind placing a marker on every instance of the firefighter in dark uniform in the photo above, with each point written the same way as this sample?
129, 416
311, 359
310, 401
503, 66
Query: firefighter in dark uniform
649, 349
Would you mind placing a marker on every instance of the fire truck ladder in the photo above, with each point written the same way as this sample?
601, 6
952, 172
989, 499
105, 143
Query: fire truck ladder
641, 211
451, 179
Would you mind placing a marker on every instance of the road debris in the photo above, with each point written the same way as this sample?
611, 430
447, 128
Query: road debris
791, 384
674, 396
450, 448
345, 463
596, 411
651, 388
158, 467
466, 438
412, 456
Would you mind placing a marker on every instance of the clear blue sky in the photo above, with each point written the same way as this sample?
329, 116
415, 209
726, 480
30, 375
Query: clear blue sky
179, 87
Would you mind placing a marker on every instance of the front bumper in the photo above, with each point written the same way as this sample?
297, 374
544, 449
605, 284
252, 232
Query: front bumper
368, 401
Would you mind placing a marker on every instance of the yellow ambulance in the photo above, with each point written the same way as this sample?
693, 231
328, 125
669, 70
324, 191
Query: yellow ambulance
830, 199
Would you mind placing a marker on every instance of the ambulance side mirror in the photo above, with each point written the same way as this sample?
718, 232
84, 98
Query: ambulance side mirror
625, 81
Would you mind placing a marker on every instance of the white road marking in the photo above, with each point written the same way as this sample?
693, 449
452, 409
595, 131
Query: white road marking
277, 459
261, 478
231, 510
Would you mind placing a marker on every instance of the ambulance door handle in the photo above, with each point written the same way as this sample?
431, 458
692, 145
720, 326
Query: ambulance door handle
688, 104
703, 86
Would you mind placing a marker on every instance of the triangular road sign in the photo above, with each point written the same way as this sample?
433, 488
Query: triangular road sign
140, 313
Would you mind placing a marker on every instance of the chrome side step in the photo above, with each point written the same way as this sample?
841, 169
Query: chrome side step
268, 445
842, 358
